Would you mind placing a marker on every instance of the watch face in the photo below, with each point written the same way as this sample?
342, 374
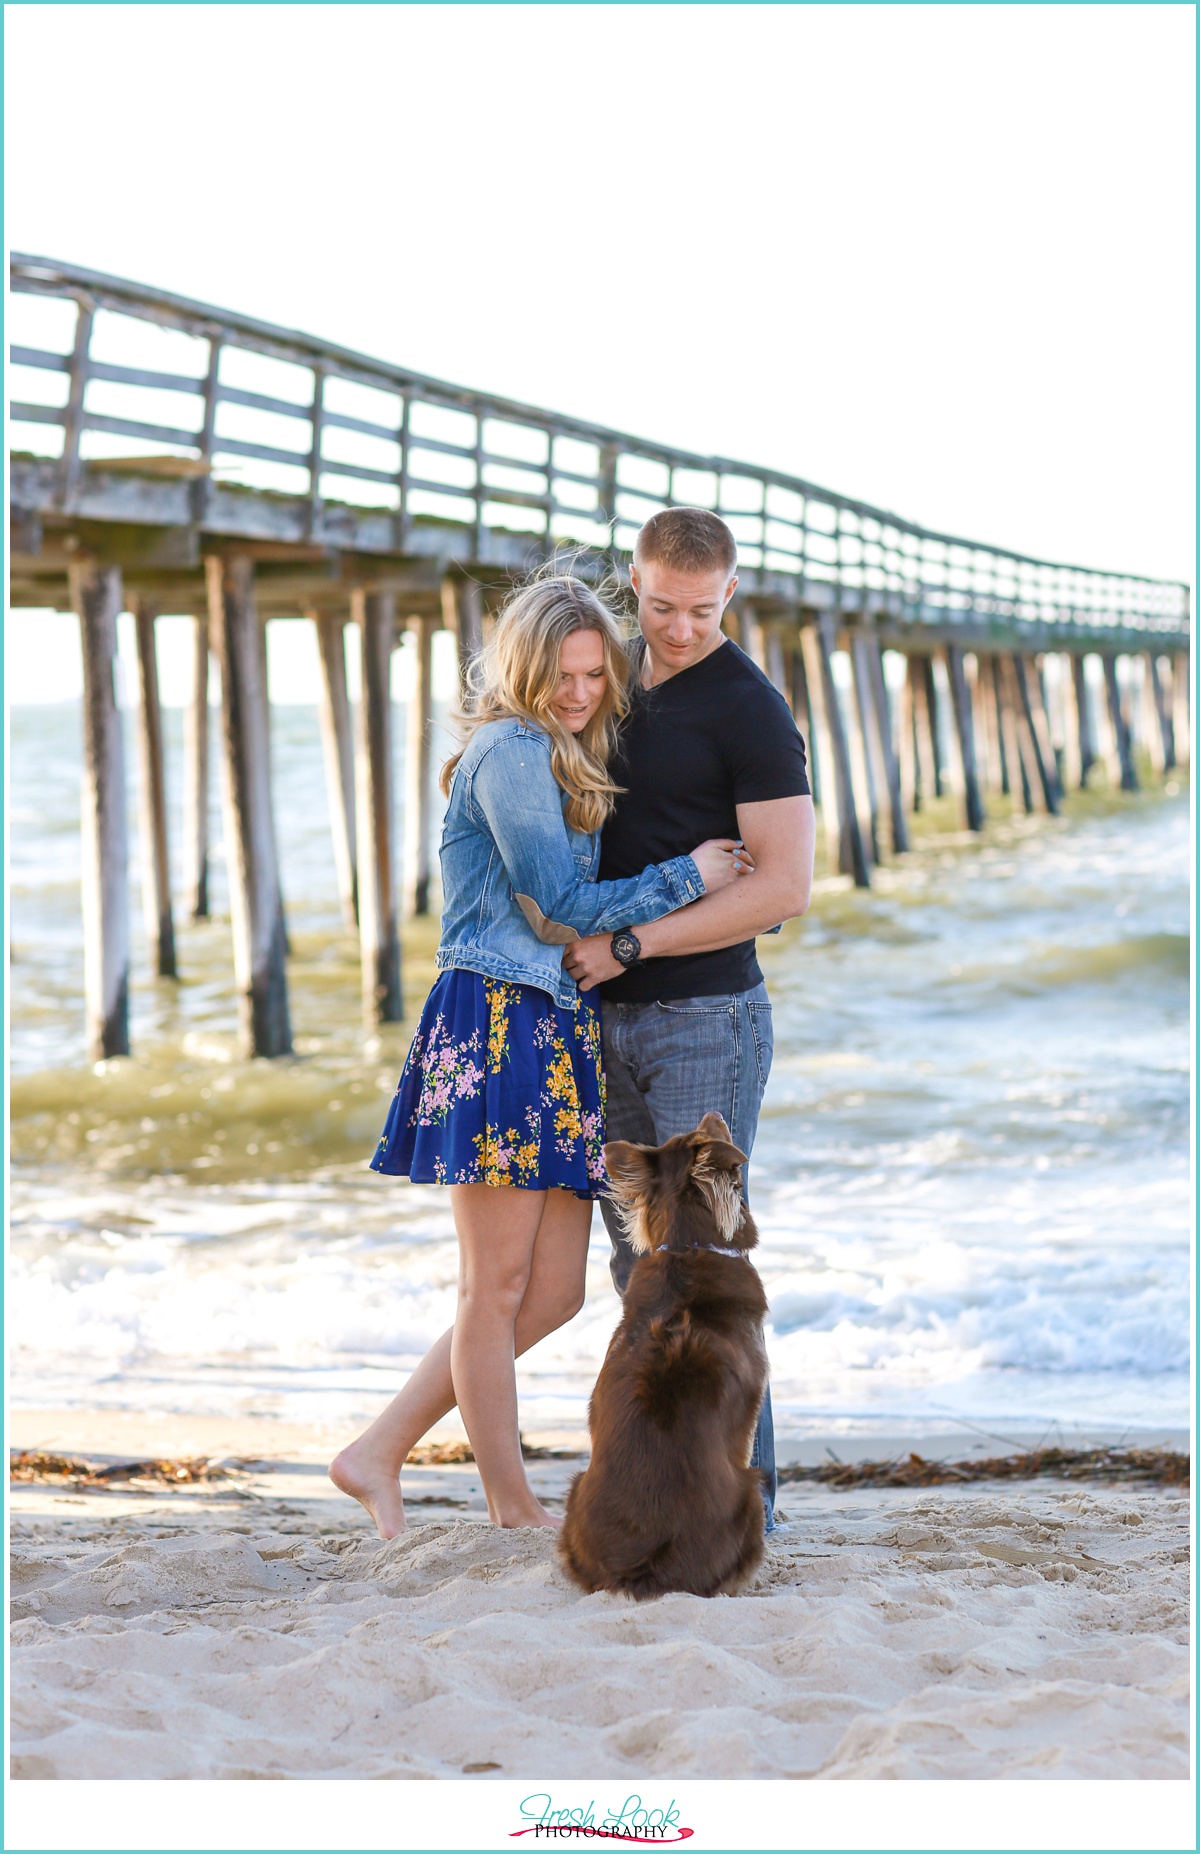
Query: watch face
625, 948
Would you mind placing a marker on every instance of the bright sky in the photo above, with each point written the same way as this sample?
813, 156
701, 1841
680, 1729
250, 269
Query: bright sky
940, 257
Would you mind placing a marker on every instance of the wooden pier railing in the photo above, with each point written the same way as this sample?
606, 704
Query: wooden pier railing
170, 456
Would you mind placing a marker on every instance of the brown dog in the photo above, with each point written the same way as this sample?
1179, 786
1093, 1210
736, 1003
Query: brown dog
667, 1501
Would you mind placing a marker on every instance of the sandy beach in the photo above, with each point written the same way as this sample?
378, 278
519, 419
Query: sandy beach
254, 1628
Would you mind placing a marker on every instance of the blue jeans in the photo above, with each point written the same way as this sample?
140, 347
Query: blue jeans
666, 1066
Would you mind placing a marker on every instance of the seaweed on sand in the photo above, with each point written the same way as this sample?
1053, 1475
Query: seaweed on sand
449, 1454
1160, 1466
36, 1465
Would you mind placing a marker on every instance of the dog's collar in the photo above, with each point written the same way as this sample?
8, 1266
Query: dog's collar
715, 1247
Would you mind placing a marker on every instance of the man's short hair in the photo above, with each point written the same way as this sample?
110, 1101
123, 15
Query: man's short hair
689, 540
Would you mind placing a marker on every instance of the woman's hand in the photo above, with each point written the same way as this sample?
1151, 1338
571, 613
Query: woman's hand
721, 861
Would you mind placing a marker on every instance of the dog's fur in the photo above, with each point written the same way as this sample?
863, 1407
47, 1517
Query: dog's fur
667, 1501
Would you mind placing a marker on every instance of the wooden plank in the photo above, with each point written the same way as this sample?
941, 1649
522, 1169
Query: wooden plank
195, 780
96, 594
156, 869
1127, 773
144, 376
337, 744
1031, 715
138, 428
847, 852
964, 730
259, 940
1080, 724
38, 357
418, 811
375, 615
28, 412
234, 447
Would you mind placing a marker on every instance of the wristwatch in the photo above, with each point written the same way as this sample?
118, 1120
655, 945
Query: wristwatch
626, 948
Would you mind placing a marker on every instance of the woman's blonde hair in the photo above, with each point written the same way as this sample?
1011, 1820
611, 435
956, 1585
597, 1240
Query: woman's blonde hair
517, 675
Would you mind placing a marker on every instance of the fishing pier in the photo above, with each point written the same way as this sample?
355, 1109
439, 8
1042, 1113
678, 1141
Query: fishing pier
356, 493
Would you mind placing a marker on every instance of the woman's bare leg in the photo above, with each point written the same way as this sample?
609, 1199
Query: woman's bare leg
369, 1468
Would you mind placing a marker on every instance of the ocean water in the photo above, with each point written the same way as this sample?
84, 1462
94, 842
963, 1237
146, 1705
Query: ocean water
971, 1178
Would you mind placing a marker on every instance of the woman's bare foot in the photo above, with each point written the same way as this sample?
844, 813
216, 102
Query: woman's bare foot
536, 1516
354, 1473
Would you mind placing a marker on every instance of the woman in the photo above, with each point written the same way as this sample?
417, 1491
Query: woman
502, 1094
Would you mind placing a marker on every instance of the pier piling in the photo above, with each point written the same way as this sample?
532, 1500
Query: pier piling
933, 722
964, 728
1085, 732
1162, 714
884, 741
156, 869
96, 594
337, 745
863, 762
999, 761
847, 852
375, 615
802, 709
1034, 730
1126, 772
1181, 707
418, 808
255, 904
462, 615
1014, 730
195, 780
927, 769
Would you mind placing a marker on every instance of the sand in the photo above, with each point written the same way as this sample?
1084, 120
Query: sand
256, 1629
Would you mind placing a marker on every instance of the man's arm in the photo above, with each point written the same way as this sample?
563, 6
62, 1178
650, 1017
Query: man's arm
780, 834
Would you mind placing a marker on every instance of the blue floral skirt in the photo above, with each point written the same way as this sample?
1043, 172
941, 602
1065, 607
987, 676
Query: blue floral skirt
501, 1087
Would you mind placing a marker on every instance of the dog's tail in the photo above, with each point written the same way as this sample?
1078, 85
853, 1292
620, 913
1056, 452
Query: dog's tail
681, 1365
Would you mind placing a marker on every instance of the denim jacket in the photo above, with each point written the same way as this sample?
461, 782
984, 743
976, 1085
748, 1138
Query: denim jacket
518, 883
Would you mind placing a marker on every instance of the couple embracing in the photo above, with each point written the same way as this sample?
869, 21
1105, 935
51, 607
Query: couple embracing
623, 819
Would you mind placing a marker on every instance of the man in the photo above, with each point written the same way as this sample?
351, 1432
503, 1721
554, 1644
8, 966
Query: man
710, 749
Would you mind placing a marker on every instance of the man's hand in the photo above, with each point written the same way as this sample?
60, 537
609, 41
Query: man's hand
590, 962
780, 834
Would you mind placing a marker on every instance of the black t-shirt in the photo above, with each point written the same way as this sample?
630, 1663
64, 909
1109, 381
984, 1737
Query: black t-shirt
710, 738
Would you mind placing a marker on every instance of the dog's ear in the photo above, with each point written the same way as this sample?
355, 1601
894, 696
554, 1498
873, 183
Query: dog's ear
632, 1173
715, 1148
631, 1169
718, 1155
